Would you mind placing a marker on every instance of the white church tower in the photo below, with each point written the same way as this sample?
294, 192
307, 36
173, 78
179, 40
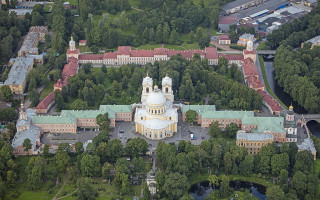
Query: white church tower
72, 51
147, 84
167, 88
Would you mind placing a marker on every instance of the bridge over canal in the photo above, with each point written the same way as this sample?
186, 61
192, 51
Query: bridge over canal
266, 52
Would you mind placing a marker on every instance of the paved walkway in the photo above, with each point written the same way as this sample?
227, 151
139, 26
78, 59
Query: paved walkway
64, 184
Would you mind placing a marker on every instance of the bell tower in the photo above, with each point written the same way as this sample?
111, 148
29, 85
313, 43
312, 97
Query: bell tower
290, 114
72, 44
147, 84
167, 88
22, 112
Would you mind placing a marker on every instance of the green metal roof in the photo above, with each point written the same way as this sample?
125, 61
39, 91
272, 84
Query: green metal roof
71, 116
54, 120
207, 114
265, 123
198, 108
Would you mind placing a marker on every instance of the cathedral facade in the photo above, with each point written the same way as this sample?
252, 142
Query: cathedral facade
156, 118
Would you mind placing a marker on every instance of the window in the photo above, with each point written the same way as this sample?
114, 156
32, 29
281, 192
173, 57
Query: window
147, 89
167, 89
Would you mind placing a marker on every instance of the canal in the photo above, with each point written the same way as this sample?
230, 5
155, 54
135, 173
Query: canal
201, 190
286, 98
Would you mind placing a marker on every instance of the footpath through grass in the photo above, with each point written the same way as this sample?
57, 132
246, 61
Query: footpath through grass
267, 82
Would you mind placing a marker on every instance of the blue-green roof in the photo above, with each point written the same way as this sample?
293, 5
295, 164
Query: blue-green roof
207, 114
198, 108
54, 120
265, 123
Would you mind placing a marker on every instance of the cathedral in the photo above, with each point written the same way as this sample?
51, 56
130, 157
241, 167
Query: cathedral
156, 118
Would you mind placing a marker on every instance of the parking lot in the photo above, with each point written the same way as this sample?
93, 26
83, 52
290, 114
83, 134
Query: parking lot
126, 130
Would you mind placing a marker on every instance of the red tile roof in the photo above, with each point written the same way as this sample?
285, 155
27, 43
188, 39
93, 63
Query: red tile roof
227, 20
69, 70
124, 50
77, 51
82, 41
60, 83
91, 57
270, 101
211, 53
250, 69
232, 56
143, 53
245, 51
224, 37
46, 101
110, 55
254, 82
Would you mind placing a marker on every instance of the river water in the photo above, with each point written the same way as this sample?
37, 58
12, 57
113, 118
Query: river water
286, 98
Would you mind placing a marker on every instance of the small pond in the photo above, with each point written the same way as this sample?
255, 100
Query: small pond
201, 190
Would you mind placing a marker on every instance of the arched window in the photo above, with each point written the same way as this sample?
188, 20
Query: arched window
156, 111
147, 89
167, 90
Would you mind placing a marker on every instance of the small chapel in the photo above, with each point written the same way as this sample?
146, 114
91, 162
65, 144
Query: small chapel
156, 118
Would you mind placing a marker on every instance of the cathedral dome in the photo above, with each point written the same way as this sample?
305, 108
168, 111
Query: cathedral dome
156, 98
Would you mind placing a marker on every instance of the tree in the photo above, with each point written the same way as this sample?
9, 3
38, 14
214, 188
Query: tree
279, 162
215, 131
227, 159
174, 37
191, 116
2, 190
166, 33
46, 152
299, 183
159, 34
103, 121
90, 165
204, 41
246, 166
35, 178
62, 160
105, 170
146, 192
214, 180
6, 93
139, 165
304, 160
225, 190
174, 186
103, 136
136, 146
85, 191
275, 193
231, 130
27, 144
283, 176
59, 102
79, 147
11, 178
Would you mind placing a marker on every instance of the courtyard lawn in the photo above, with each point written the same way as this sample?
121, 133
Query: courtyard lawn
263, 46
47, 90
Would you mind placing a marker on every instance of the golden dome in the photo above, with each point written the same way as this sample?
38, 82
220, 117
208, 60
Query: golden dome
291, 107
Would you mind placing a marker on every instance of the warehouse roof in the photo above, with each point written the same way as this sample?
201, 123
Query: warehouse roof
234, 4
19, 71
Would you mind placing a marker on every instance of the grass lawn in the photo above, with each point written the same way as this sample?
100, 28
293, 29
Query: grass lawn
48, 7
267, 83
263, 46
46, 90
316, 170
